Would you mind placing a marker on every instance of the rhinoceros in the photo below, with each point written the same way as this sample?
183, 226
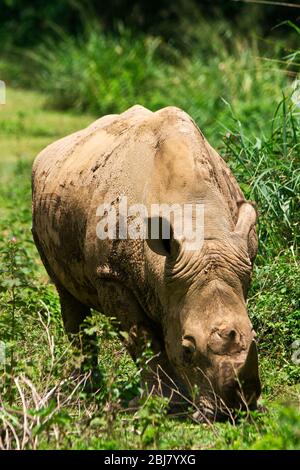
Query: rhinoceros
189, 305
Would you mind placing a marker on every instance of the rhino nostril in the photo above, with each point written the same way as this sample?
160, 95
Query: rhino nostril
232, 334
228, 334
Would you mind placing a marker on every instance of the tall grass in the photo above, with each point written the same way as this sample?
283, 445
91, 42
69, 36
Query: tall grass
106, 74
100, 74
268, 168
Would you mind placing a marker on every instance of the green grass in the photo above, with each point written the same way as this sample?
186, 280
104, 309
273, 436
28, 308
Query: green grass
40, 407
25, 127
102, 74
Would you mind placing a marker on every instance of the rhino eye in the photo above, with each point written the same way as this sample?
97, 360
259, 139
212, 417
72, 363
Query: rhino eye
188, 348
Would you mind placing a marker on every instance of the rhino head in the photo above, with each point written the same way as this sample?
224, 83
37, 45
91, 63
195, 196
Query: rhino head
209, 338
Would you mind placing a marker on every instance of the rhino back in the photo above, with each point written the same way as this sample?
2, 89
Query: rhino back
149, 157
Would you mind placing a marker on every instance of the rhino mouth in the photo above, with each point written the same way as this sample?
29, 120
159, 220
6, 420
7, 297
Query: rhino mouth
217, 411
211, 408
204, 412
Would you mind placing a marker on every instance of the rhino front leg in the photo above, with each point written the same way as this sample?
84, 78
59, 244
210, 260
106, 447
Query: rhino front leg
86, 348
73, 314
158, 378
157, 375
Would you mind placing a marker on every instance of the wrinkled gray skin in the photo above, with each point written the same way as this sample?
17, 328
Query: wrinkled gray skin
191, 305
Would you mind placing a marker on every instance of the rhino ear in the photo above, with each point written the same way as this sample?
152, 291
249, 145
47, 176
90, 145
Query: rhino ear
247, 217
160, 237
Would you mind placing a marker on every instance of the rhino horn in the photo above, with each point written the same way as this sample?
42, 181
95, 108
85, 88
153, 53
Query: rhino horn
248, 373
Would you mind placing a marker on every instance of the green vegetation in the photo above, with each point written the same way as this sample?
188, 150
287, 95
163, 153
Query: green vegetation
111, 73
27, 22
246, 106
